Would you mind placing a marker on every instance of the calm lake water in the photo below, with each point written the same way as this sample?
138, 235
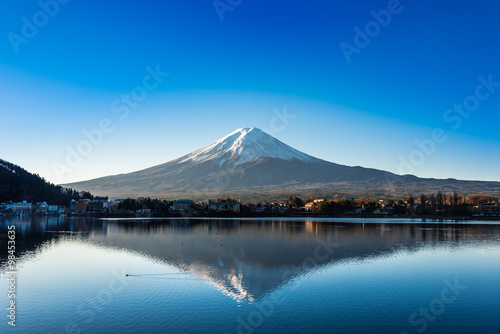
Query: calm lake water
252, 276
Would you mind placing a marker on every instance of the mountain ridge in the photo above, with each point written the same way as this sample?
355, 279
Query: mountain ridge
17, 184
250, 163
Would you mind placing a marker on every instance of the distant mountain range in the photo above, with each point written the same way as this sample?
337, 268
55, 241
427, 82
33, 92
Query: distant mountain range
251, 164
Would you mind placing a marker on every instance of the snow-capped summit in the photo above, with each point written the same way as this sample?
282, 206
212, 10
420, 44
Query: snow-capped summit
244, 145
249, 162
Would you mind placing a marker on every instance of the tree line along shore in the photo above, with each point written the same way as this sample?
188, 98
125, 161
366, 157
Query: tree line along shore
439, 205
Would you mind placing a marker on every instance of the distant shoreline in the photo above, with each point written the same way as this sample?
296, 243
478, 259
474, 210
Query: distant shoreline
351, 220
263, 216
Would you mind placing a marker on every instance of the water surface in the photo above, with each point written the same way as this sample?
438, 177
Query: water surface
253, 276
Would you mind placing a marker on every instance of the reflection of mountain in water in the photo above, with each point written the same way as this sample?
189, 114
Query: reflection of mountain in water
250, 259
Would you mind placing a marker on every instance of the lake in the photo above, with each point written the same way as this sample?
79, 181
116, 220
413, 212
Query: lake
88, 275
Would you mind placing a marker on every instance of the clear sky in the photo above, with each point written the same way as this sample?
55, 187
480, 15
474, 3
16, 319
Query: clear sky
352, 98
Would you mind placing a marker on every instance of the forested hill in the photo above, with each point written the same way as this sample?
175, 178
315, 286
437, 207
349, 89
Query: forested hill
17, 184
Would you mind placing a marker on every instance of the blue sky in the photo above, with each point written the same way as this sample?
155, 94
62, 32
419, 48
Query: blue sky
265, 58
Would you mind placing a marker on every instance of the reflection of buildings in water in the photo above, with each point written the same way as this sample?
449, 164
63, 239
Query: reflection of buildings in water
53, 223
309, 227
260, 258
34, 231
248, 260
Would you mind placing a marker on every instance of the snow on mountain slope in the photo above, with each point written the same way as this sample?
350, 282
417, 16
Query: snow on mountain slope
243, 145
249, 162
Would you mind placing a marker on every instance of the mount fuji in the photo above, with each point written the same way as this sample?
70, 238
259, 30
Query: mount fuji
251, 164
245, 145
